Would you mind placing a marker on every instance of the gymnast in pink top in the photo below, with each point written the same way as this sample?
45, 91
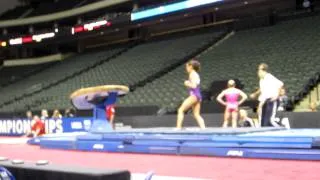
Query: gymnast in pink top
232, 103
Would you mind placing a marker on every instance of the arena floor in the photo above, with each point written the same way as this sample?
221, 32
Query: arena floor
211, 168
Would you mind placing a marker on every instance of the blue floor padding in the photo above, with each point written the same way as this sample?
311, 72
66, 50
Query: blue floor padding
98, 146
159, 137
253, 153
247, 145
37, 140
316, 142
163, 143
59, 145
211, 144
261, 143
277, 145
118, 136
125, 148
55, 143
194, 131
90, 137
237, 139
100, 126
287, 133
148, 149
34, 141
274, 139
259, 139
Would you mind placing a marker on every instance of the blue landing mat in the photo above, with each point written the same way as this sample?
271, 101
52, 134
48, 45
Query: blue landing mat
293, 133
316, 142
34, 141
196, 131
37, 140
270, 153
149, 149
98, 146
249, 145
66, 143
274, 143
146, 146
292, 154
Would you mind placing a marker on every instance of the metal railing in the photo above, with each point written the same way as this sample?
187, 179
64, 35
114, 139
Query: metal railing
60, 15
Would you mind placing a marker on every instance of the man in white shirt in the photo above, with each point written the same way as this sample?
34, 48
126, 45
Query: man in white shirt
268, 93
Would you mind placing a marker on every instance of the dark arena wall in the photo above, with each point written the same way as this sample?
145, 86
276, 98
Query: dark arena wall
297, 120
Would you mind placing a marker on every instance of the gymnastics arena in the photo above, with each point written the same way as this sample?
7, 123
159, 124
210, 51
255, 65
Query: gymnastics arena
159, 90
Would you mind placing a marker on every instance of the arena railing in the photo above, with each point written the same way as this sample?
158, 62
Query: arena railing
224, 22
36, 60
218, 23
60, 15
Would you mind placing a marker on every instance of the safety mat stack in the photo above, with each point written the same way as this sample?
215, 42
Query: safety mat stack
250, 143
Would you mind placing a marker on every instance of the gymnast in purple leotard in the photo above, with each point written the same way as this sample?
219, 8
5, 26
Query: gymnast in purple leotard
195, 98
231, 95
196, 91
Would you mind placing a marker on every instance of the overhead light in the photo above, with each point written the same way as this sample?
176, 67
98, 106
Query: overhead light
90, 26
31, 38
15, 41
3, 44
170, 8
95, 25
27, 39
306, 3
40, 37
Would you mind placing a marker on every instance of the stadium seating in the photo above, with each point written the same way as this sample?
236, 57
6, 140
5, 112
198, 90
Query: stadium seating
129, 68
290, 48
14, 13
47, 8
312, 97
58, 72
43, 8
11, 74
